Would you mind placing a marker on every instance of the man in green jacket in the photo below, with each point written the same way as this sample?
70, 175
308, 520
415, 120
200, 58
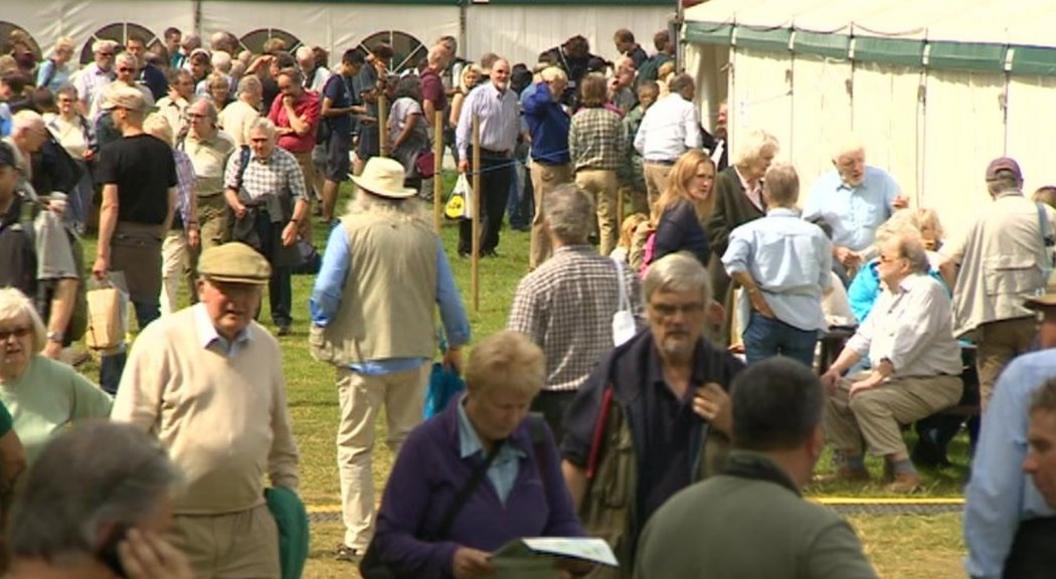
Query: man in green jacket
751, 521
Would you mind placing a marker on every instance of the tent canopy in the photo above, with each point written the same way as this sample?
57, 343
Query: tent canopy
939, 34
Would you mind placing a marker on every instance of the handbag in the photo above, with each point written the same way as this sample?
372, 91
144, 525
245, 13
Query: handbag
107, 322
425, 164
443, 386
372, 566
623, 325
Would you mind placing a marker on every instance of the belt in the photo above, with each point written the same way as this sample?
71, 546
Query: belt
660, 161
493, 153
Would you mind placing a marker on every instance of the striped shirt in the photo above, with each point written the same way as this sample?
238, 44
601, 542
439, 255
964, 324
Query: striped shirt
596, 140
566, 307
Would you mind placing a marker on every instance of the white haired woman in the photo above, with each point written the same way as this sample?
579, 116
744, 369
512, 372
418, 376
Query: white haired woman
421, 531
738, 200
44, 396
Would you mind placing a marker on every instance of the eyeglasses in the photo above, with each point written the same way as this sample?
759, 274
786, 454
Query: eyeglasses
125, 69
106, 54
20, 332
195, 116
669, 310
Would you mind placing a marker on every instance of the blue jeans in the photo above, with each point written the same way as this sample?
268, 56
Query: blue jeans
111, 366
765, 337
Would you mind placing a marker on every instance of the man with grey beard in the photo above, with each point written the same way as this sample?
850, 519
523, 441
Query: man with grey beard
664, 393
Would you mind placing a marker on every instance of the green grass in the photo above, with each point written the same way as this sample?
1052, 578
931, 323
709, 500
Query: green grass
900, 546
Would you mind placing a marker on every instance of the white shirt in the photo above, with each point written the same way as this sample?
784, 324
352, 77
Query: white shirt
912, 328
500, 122
90, 82
670, 127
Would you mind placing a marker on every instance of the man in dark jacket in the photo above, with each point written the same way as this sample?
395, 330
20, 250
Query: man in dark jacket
654, 416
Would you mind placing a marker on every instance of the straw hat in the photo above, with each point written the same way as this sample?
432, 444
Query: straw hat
384, 177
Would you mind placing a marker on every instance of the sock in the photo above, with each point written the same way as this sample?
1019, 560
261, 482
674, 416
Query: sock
904, 466
854, 462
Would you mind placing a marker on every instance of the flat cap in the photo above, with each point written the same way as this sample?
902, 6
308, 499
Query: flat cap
234, 262
119, 95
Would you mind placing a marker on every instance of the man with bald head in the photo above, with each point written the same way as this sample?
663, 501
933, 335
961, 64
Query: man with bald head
496, 106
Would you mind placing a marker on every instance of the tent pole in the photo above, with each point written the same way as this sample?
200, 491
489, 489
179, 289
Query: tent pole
198, 17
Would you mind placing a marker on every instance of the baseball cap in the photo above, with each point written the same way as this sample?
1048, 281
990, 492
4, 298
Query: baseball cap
123, 96
1003, 164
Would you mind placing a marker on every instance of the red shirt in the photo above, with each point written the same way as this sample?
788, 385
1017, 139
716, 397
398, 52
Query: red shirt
307, 108
433, 89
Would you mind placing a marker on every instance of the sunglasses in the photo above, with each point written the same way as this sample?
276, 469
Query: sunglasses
21, 332
125, 69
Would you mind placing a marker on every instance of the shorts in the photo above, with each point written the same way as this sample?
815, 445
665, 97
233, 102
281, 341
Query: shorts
337, 163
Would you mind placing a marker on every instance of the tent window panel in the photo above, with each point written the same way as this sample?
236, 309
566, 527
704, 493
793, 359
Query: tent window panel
762, 94
821, 114
120, 32
1034, 60
889, 50
1030, 107
966, 56
965, 130
827, 45
887, 116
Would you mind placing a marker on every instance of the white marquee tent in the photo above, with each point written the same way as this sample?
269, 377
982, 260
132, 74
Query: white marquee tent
517, 29
935, 88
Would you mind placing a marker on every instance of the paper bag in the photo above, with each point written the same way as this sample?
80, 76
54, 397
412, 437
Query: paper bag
107, 318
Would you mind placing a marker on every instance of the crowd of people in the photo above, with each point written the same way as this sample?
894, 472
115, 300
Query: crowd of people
686, 343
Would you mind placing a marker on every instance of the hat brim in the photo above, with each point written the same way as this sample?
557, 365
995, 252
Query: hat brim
235, 279
381, 190
1041, 302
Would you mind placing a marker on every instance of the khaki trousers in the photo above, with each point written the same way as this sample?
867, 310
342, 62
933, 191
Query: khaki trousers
360, 398
175, 269
655, 180
876, 414
544, 179
212, 220
996, 344
242, 545
602, 185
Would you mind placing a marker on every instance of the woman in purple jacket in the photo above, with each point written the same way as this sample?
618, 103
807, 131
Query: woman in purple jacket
522, 494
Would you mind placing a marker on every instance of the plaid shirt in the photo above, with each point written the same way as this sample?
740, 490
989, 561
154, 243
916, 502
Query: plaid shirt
279, 172
596, 140
566, 307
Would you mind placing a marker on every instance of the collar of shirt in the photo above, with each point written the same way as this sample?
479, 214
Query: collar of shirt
586, 248
208, 336
1009, 193
655, 371
490, 87
469, 441
265, 160
783, 212
912, 282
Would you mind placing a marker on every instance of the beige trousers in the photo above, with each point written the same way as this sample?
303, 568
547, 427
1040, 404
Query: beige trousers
876, 414
544, 179
655, 180
997, 343
242, 545
602, 185
175, 269
360, 398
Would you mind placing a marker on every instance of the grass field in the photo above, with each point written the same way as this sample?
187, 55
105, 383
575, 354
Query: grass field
909, 546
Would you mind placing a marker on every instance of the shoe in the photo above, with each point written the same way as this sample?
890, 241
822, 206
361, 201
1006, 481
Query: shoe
346, 553
843, 474
490, 253
905, 483
284, 330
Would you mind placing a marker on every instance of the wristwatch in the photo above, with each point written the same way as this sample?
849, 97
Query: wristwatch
54, 336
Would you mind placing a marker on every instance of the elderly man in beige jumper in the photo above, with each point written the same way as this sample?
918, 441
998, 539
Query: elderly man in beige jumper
207, 380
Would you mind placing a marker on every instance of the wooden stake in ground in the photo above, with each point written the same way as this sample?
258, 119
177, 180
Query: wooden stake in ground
475, 253
438, 162
383, 124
